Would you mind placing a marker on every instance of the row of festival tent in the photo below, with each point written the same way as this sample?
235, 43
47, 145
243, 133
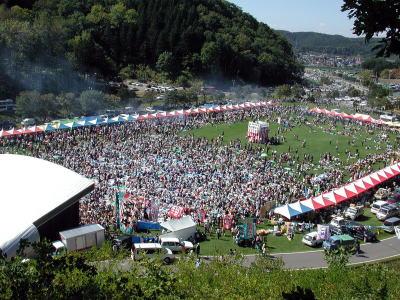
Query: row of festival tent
358, 117
339, 195
98, 120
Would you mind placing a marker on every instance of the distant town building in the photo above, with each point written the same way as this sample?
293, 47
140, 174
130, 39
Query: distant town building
7, 106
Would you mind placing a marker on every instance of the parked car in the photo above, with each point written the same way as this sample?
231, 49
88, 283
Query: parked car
123, 241
387, 211
381, 194
377, 205
337, 222
390, 223
153, 251
311, 239
360, 232
175, 245
337, 241
354, 212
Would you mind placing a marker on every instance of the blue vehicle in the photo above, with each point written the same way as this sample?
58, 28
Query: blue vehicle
335, 242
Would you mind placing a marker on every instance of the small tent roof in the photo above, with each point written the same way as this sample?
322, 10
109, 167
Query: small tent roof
179, 224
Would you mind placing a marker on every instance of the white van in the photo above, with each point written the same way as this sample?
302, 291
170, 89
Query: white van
152, 250
311, 239
175, 245
377, 205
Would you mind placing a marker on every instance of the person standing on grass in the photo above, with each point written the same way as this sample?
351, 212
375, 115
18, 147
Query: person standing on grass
264, 249
198, 249
218, 233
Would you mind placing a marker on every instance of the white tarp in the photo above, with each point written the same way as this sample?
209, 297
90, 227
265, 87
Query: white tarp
10, 247
182, 228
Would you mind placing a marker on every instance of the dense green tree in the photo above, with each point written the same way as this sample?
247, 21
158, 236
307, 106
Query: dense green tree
91, 101
353, 92
28, 104
366, 77
165, 63
377, 65
333, 94
283, 92
373, 17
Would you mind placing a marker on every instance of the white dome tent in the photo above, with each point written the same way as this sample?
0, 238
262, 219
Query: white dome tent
33, 192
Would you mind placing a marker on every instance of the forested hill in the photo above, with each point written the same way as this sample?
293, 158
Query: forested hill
197, 37
330, 44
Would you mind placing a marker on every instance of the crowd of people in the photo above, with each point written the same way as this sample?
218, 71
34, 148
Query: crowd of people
161, 163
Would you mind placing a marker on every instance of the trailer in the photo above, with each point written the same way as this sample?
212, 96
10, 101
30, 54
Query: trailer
80, 238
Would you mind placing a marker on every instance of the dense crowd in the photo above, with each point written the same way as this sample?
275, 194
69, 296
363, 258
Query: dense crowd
160, 163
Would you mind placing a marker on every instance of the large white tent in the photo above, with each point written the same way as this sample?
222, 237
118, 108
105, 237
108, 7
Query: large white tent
182, 229
33, 191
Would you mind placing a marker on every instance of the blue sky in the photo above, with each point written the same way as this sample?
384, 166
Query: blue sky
300, 15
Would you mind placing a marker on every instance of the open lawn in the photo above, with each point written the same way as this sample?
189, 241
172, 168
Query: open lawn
305, 139
277, 244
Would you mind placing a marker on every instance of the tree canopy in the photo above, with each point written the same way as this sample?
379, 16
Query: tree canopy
49, 44
373, 17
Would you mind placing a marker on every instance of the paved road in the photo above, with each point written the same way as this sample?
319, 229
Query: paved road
369, 252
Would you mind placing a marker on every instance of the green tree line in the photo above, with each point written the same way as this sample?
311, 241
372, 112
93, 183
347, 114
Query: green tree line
98, 274
200, 37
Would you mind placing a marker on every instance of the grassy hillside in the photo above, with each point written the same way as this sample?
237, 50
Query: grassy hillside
330, 44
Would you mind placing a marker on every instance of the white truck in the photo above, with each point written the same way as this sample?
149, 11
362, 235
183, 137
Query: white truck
80, 238
353, 212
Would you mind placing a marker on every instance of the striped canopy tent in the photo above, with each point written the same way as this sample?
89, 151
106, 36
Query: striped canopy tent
202, 110
62, 126
48, 127
217, 108
116, 119
161, 115
336, 114
13, 132
210, 109
287, 211
74, 124
236, 107
317, 110
92, 121
346, 116
343, 193
325, 111
323, 202
128, 118
298, 206
4, 133
192, 111
25, 130
188, 112
175, 113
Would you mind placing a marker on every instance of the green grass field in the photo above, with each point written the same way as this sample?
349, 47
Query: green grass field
317, 140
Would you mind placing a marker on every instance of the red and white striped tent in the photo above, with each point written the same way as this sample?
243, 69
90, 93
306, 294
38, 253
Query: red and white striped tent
343, 193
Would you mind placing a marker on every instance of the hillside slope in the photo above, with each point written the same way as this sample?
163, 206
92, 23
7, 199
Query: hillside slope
200, 37
330, 44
